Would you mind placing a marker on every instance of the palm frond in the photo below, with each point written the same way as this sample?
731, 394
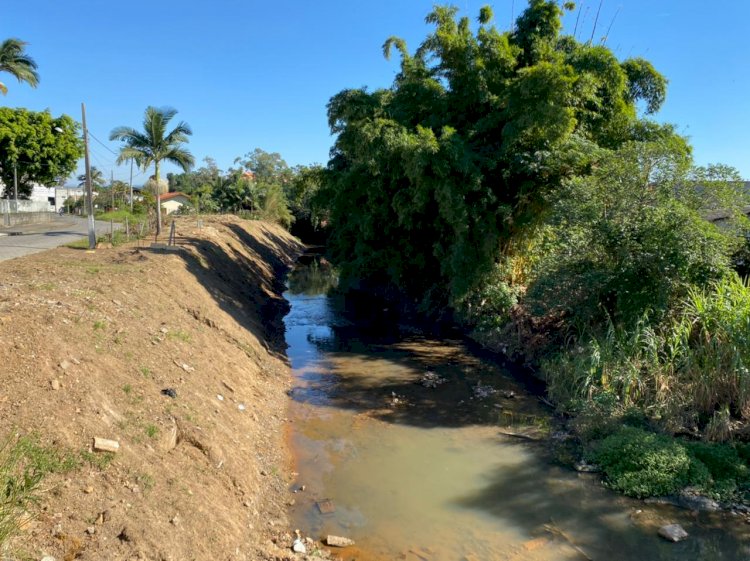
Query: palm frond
15, 61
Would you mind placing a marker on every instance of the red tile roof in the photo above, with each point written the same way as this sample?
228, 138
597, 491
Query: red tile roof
168, 196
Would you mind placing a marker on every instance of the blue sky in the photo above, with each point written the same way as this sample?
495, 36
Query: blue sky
248, 74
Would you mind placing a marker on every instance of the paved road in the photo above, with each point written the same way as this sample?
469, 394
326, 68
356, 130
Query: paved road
40, 237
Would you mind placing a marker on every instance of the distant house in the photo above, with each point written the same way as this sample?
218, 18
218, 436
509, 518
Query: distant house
172, 202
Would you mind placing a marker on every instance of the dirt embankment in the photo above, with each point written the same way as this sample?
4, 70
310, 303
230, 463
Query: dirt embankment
88, 343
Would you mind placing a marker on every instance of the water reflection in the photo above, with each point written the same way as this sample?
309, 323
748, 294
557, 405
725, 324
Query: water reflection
440, 473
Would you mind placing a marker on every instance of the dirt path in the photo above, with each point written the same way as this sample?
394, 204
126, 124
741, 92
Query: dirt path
88, 343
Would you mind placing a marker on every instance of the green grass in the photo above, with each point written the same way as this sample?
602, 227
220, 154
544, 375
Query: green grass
83, 243
120, 216
152, 431
99, 325
128, 389
24, 463
180, 335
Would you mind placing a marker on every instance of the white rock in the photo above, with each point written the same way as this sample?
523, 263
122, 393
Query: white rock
105, 445
298, 546
338, 541
673, 532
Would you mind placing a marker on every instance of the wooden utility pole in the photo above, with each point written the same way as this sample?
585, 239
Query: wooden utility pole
89, 193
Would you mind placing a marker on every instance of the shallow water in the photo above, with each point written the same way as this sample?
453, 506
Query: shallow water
437, 474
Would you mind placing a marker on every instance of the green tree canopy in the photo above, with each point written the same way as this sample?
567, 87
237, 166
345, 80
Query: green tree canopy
44, 149
430, 179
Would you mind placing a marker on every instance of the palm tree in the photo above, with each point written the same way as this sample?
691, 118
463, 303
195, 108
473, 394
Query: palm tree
15, 61
154, 145
97, 178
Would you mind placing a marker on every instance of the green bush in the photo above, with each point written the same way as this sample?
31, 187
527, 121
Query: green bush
643, 464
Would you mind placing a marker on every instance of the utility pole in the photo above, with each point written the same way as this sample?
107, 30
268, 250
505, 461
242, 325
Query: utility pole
89, 194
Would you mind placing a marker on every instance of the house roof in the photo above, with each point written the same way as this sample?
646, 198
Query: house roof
169, 196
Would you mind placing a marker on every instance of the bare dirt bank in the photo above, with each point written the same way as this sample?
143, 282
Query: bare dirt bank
88, 341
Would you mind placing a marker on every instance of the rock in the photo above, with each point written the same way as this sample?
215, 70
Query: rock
298, 546
325, 506
584, 467
64, 364
169, 392
338, 541
673, 533
48, 558
105, 445
175, 520
91, 530
88, 490
164, 330
55, 384
220, 397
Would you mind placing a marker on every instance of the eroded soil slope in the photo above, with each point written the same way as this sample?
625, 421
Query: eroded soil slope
88, 343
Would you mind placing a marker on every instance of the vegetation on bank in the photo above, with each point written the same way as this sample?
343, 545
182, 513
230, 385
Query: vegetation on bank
514, 181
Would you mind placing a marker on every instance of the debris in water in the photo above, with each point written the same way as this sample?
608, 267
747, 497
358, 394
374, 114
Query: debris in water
481, 391
673, 533
338, 541
431, 380
325, 506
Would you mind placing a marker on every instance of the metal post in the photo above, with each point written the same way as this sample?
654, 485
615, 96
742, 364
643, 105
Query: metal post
15, 185
92, 230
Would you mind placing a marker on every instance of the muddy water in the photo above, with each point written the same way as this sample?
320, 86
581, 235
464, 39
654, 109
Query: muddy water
451, 472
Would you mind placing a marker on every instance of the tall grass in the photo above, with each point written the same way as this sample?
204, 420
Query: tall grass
691, 370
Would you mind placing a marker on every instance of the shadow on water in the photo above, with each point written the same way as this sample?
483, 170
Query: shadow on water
547, 500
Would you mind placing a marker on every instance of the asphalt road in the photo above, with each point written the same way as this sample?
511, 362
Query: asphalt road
34, 238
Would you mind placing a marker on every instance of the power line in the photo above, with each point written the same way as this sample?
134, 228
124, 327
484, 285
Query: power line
105, 146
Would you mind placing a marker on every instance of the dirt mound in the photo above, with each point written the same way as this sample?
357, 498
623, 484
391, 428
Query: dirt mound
178, 356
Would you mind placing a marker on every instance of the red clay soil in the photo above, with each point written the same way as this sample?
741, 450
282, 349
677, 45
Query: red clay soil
88, 342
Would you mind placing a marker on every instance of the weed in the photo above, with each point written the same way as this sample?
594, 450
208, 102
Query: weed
146, 481
642, 464
97, 460
128, 389
152, 431
24, 462
146, 372
99, 325
180, 335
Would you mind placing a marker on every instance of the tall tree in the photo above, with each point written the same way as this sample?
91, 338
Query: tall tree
432, 179
155, 145
97, 178
16, 62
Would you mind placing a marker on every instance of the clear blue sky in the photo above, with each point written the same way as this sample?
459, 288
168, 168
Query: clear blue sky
248, 74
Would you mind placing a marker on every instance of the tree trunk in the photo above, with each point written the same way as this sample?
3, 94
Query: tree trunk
158, 198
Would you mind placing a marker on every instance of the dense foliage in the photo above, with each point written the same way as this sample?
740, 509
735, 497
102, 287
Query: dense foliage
42, 149
261, 185
432, 179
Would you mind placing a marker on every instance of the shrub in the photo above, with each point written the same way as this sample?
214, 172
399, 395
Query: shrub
643, 464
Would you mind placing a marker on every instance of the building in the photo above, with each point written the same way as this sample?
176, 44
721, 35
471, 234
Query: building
172, 202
